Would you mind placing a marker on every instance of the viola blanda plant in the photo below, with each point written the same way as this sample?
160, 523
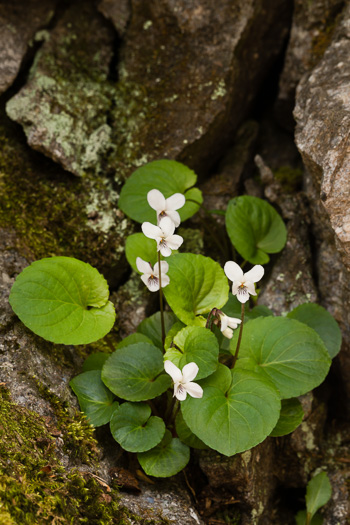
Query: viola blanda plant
247, 380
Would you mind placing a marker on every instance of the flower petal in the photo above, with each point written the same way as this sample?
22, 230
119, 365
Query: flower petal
143, 266
174, 241
228, 332
151, 231
194, 389
164, 249
151, 283
156, 200
232, 322
174, 216
164, 268
233, 271
165, 280
167, 226
173, 371
250, 287
180, 392
175, 202
235, 287
255, 274
243, 295
189, 372
224, 322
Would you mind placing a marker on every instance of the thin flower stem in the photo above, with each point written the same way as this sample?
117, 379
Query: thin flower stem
175, 409
161, 302
210, 318
239, 339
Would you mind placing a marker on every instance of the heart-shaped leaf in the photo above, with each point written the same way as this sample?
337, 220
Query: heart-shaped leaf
291, 416
195, 344
186, 435
286, 351
255, 228
197, 284
95, 400
132, 339
166, 459
135, 373
322, 322
138, 245
167, 176
95, 361
134, 429
63, 300
151, 327
237, 420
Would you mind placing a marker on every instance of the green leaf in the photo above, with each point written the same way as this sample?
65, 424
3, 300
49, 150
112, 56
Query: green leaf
172, 332
135, 372
185, 434
151, 327
138, 245
166, 459
195, 344
291, 416
320, 320
167, 176
197, 284
255, 228
286, 351
95, 361
95, 400
301, 518
237, 420
134, 429
132, 339
233, 308
221, 378
63, 300
318, 493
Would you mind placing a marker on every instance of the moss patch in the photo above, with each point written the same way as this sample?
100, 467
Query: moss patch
35, 488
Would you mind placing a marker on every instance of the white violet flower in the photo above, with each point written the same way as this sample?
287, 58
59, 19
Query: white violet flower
243, 283
163, 234
183, 380
228, 324
166, 207
151, 275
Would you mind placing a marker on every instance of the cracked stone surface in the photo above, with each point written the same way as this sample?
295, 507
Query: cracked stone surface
19, 21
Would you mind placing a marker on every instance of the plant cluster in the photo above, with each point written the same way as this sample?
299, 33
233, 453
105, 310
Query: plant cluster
249, 365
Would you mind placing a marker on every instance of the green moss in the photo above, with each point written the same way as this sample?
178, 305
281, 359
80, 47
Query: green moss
36, 489
290, 178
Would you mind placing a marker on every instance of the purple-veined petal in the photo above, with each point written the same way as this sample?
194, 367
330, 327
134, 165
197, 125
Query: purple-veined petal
167, 226
250, 287
255, 274
175, 202
151, 231
194, 389
180, 392
164, 249
233, 271
242, 295
235, 287
173, 371
164, 266
156, 200
174, 216
189, 372
174, 241
143, 266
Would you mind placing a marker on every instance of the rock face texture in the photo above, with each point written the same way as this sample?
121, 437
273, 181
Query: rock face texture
183, 81
19, 21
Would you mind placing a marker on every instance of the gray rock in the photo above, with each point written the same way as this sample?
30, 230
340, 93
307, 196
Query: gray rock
118, 12
19, 21
312, 28
188, 73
